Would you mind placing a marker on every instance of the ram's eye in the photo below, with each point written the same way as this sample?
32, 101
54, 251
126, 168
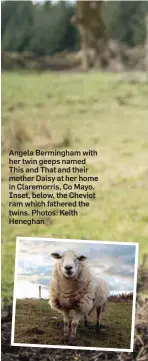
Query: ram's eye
78, 258
82, 258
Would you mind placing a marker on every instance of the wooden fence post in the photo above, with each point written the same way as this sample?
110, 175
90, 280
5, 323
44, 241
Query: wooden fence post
39, 292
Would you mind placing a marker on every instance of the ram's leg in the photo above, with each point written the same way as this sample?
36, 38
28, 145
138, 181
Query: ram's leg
66, 324
99, 310
85, 321
74, 325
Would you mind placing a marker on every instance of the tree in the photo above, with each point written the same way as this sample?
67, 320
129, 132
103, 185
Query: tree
46, 28
126, 21
17, 21
43, 28
92, 29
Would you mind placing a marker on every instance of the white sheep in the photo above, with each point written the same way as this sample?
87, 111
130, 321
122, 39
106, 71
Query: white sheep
74, 287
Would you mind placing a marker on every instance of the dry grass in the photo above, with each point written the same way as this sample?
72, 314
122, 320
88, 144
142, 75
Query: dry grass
37, 323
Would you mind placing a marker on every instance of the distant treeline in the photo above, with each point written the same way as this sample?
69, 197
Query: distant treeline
121, 297
44, 28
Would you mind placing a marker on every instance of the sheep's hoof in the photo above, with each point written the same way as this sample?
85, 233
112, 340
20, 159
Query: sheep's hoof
72, 341
97, 327
85, 323
66, 338
102, 326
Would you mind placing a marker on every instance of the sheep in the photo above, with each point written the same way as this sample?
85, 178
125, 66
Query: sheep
75, 288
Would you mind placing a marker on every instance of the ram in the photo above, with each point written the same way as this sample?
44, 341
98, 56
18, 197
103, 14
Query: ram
74, 287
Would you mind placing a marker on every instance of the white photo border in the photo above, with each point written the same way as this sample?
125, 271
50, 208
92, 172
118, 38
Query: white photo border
20, 238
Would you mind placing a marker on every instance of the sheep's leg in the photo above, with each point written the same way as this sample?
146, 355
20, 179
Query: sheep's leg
66, 324
74, 325
85, 321
99, 310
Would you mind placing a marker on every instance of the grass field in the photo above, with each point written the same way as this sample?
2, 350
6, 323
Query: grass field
36, 323
80, 111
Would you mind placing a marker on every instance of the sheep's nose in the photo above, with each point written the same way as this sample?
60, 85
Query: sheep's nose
68, 268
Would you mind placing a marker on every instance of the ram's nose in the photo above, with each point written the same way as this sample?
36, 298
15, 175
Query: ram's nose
68, 268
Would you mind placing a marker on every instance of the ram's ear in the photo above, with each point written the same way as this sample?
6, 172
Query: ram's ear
56, 255
82, 258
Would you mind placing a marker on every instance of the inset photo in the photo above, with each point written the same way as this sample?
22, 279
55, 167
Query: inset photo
74, 294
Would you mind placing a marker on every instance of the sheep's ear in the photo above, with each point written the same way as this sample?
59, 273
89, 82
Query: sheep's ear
82, 258
56, 255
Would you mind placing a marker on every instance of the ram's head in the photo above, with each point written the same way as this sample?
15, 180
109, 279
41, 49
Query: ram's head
70, 263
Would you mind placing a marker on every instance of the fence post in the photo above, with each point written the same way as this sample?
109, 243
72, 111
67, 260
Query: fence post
39, 292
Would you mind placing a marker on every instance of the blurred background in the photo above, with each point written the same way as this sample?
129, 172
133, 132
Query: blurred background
49, 102
47, 28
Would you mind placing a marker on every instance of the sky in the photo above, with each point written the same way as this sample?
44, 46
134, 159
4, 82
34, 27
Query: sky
113, 262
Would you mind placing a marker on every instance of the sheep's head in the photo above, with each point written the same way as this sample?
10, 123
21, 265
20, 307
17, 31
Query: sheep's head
70, 263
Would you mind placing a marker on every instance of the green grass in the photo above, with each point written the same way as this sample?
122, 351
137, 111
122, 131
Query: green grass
80, 111
36, 323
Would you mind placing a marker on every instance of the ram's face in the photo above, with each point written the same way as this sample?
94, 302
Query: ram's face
70, 263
